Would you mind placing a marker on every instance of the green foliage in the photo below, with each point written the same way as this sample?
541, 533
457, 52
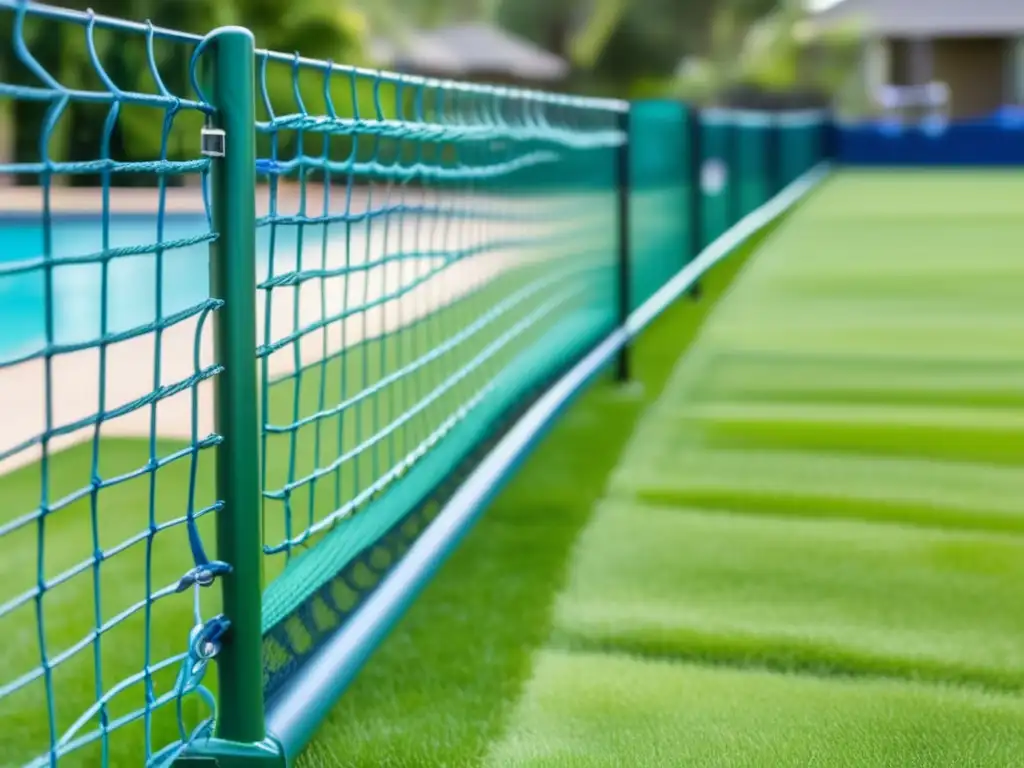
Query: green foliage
394, 18
805, 555
782, 51
613, 41
651, 88
779, 52
319, 28
696, 80
623, 40
588, 44
316, 28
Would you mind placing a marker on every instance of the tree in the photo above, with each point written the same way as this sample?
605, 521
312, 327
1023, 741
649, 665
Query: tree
784, 51
618, 42
320, 28
611, 43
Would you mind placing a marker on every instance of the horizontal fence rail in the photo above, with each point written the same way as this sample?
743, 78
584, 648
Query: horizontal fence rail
263, 318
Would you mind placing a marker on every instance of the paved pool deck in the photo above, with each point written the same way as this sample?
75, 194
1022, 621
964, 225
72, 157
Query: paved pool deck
177, 200
29, 200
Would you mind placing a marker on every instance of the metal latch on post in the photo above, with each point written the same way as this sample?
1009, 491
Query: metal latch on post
212, 141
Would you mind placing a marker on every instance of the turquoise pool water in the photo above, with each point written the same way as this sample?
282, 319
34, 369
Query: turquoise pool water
131, 292
78, 288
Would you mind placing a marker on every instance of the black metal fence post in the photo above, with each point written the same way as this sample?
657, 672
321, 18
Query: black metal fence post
735, 172
773, 157
696, 199
622, 182
830, 150
695, 133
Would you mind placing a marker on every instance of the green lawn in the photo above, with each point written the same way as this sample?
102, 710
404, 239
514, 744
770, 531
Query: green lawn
822, 596
810, 553
584, 709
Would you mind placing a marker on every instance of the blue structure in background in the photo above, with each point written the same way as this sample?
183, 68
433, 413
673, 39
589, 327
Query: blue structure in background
997, 140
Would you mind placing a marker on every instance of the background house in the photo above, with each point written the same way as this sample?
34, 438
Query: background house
477, 51
975, 46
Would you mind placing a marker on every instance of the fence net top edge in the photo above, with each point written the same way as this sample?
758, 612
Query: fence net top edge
449, 84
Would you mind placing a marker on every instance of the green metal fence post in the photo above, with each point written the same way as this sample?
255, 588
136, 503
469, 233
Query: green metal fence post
233, 279
240, 737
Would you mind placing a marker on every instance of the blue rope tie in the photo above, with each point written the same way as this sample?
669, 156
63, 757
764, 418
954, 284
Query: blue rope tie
203, 575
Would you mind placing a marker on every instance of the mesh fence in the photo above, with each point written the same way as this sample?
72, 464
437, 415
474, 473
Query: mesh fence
430, 255
470, 256
102, 338
434, 250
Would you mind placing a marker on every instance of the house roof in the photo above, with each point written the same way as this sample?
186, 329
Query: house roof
929, 18
464, 50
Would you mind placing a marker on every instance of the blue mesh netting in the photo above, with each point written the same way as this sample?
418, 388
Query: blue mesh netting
105, 485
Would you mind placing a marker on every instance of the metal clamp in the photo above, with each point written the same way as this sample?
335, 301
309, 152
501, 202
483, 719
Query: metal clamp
212, 142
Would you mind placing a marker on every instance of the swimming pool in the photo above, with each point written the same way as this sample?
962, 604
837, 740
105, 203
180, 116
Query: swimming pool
130, 298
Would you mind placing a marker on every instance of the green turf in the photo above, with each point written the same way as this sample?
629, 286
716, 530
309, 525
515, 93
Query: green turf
438, 691
67, 610
831, 597
598, 710
864, 367
823, 510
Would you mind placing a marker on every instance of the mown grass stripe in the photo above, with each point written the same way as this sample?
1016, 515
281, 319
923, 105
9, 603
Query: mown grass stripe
588, 709
821, 596
735, 588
